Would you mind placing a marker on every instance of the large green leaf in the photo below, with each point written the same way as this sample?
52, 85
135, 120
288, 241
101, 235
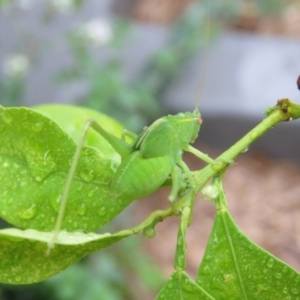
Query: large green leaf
35, 157
23, 253
72, 119
234, 267
181, 287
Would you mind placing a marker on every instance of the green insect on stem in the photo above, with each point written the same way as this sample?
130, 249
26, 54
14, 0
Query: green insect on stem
147, 162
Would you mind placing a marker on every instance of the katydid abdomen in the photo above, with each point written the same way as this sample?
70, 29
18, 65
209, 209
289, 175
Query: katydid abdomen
154, 155
138, 177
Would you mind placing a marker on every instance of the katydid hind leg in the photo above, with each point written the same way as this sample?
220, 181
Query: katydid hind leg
128, 133
118, 144
67, 187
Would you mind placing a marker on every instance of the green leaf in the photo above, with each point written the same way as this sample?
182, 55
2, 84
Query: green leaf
23, 253
72, 119
181, 287
35, 157
234, 267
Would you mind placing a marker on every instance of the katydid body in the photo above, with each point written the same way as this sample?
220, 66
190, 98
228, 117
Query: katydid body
146, 163
154, 155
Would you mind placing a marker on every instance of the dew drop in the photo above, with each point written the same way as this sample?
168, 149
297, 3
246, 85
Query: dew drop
217, 284
112, 210
284, 269
162, 296
3, 213
217, 166
38, 126
82, 209
245, 150
121, 202
87, 175
91, 193
187, 286
180, 241
270, 263
295, 291
149, 233
251, 247
102, 211
253, 135
18, 279
207, 258
79, 187
55, 203
278, 275
170, 285
5, 164
38, 178
205, 270
10, 201
28, 213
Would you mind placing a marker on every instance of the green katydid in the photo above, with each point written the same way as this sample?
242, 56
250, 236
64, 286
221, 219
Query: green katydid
148, 161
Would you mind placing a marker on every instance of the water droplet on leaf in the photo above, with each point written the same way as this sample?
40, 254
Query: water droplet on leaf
38, 178
102, 211
149, 233
170, 285
38, 126
270, 263
187, 286
55, 203
28, 213
87, 175
81, 209
295, 291
10, 201
79, 187
91, 193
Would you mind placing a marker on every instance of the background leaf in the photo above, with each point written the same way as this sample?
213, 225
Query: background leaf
234, 267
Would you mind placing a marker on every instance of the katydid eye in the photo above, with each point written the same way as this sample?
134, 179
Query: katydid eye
298, 83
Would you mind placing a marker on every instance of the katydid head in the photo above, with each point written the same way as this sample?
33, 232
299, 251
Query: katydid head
188, 126
298, 82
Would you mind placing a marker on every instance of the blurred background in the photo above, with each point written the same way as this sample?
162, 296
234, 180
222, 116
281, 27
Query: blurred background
137, 60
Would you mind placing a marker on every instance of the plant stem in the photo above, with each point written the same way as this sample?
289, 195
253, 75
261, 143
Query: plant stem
284, 111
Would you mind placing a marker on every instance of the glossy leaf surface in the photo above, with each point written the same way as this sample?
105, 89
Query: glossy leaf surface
234, 267
72, 119
35, 157
23, 258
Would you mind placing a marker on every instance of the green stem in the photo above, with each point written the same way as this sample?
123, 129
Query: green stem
180, 256
284, 111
